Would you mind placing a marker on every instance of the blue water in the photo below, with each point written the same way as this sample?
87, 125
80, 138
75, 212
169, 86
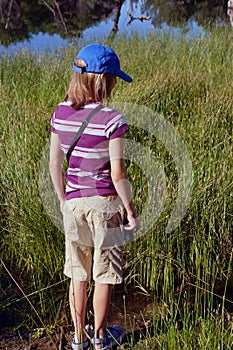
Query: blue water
44, 42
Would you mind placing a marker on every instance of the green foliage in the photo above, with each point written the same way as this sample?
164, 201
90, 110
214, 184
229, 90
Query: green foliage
22, 18
189, 269
176, 12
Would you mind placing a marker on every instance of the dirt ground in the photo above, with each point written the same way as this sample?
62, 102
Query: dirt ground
58, 341
133, 312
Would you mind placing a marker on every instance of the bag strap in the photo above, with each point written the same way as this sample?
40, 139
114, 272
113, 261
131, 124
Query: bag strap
80, 131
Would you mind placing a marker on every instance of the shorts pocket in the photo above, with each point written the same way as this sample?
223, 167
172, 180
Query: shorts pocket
68, 207
69, 220
108, 230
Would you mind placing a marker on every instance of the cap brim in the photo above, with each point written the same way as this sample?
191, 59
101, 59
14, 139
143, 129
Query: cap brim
124, 76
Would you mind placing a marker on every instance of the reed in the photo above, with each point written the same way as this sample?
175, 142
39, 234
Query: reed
188, 269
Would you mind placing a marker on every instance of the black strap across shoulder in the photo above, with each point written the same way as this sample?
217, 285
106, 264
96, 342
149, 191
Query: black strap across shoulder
80, 131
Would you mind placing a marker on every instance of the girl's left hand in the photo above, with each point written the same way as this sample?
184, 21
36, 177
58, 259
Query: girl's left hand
132, 224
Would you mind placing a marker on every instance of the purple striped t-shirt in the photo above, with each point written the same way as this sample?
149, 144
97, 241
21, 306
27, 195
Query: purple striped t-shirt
89, 171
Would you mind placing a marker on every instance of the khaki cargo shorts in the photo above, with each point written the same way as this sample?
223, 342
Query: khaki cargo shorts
94, 239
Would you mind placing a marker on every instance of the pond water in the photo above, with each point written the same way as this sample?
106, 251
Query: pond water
42, 41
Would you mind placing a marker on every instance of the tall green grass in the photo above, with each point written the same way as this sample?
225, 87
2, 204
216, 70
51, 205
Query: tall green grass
189, 269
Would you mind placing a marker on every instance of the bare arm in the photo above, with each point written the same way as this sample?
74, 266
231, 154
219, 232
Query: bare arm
120, 180
55, 167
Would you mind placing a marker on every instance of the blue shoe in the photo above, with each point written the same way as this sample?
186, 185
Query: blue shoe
113, 336
86, 344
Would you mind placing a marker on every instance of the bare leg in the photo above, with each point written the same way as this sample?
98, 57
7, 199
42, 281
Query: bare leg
101, 302
78, 302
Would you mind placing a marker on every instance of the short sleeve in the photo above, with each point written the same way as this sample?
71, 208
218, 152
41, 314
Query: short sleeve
116, 127
53, 129
119, 132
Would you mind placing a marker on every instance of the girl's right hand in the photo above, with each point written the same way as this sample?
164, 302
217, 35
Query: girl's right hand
62, 203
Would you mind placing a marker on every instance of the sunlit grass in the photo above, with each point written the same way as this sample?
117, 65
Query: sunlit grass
190, 269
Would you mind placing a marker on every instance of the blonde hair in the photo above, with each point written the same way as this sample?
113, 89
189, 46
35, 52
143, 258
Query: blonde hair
89, 87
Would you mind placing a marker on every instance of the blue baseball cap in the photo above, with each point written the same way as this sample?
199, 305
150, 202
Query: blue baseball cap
100, 59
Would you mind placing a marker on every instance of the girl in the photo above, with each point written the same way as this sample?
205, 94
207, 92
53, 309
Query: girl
96, 187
